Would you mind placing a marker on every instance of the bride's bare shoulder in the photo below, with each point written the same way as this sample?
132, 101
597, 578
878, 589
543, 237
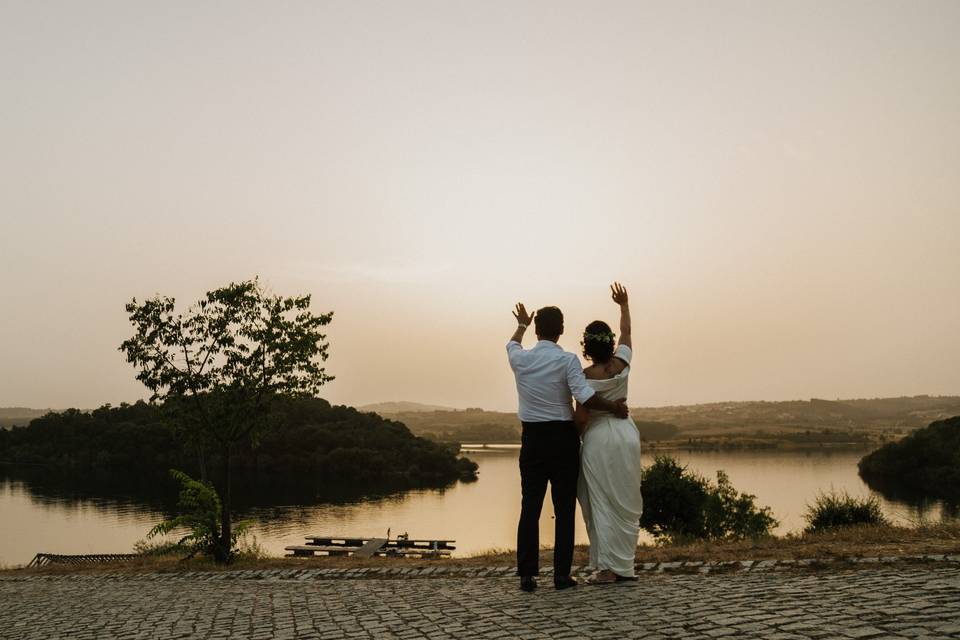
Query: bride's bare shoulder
591, 372
603, 372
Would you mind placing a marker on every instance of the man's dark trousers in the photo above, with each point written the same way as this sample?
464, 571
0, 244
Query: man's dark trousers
550, 451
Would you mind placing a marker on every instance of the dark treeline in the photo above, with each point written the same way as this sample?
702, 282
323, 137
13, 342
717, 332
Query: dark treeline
926, 462
312, 451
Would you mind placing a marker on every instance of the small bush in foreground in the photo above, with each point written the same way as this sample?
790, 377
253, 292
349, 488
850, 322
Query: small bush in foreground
200, 515
733, 515
158, 548
679, 504
840, 509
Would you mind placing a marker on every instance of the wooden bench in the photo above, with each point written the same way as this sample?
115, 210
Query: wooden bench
421, 553
309, 550
343, 542
369, 547
401, 543
366, 550
423, 544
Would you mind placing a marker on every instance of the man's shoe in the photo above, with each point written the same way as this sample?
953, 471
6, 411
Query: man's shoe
564, 582
528, 583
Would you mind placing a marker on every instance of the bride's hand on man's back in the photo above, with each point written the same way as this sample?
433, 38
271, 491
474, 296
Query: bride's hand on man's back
622, 411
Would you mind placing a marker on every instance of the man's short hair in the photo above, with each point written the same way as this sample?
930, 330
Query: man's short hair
549, 322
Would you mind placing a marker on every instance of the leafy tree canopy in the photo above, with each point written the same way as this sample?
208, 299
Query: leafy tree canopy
219, 366
222, 361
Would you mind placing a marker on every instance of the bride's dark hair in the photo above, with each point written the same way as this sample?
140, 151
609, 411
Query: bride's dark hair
597, 341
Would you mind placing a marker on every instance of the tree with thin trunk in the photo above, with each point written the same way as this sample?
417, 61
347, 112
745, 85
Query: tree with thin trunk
218, 367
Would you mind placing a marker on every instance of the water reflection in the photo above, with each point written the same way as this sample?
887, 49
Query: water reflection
788, 481
30, 523
922, 506
42, 512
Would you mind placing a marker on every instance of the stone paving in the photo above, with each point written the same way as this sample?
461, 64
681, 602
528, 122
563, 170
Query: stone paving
869, 600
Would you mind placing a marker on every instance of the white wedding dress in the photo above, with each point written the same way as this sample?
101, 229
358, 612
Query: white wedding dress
609, 485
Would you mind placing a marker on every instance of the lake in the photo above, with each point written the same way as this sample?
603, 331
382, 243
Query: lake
480, 516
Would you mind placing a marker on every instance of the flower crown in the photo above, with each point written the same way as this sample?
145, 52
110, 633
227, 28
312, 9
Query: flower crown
598, 337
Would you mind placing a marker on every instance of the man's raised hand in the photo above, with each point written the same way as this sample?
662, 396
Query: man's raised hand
520, 313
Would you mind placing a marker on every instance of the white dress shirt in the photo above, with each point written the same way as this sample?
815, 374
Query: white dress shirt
547, 376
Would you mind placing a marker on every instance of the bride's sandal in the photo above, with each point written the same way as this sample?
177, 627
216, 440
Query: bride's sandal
601, 577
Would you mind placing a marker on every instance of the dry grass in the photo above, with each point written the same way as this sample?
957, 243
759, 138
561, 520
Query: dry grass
866, 540
851, 541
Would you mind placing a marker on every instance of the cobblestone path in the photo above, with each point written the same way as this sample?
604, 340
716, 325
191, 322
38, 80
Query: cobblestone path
880, 601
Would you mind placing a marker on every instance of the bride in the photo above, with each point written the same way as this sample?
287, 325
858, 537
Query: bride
609, 484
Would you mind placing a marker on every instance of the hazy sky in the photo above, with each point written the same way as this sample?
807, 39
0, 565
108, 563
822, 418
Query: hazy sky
777, 184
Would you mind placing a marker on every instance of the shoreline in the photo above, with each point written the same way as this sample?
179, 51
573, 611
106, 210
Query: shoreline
838, 546
472, 447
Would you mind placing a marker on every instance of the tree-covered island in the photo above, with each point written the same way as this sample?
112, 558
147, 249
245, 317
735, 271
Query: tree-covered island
313, 450
925, 463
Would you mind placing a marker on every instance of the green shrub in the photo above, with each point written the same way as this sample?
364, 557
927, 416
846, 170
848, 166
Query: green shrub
840, 509
735, 515
249, 547
680, 504
157, 548
673, 500
200, 515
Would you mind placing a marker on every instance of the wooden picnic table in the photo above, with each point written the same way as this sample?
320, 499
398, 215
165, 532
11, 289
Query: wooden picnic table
369, 547
402, 543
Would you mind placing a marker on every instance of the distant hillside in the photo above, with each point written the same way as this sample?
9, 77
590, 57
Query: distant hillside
812, 422
22, 412
19, 416
877, 414
470, 425
402, 407
492, 427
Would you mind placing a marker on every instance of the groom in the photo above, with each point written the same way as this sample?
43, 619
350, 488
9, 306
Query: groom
547, 376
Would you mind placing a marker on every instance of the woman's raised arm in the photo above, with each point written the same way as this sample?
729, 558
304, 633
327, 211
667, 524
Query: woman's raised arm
619, 295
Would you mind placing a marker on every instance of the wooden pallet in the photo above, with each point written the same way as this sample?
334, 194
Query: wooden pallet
43, 559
